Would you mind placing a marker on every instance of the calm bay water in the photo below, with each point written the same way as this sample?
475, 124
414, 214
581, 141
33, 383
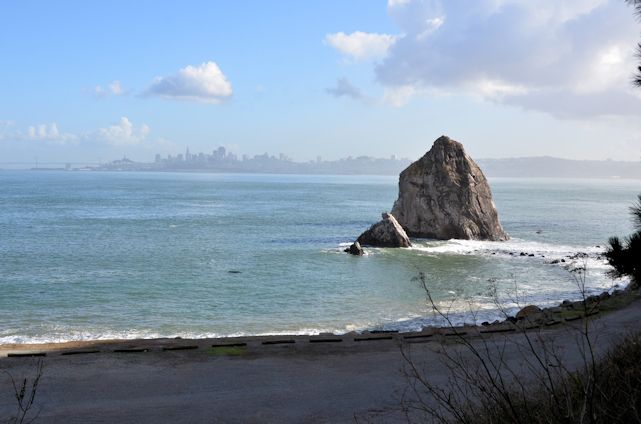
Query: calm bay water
123, 255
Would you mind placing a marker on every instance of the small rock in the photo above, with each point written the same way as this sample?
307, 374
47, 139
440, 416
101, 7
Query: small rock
523, 254
355, 249
386, 233
528, 310
539, 232
485, 323
531, 254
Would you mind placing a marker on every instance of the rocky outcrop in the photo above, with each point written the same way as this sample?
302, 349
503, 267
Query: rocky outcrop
355, 249
527, 311
386, 233
445, 195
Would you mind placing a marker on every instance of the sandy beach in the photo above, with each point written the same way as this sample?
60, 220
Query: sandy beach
310, 379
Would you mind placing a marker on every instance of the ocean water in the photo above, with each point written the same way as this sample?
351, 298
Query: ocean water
135, 255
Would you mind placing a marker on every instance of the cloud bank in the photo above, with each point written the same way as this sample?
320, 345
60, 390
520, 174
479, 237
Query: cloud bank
121, 134
205, 84
567, 58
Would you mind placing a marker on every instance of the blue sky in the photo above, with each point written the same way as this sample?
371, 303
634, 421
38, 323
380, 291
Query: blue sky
507, 78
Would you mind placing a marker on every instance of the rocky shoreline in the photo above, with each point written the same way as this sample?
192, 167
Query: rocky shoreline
529, 318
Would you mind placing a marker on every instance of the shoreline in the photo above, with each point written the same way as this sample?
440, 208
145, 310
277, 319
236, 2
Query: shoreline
566, 312
268, 379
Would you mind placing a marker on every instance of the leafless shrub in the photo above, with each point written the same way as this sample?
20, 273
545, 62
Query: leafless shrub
527, 376
25, 398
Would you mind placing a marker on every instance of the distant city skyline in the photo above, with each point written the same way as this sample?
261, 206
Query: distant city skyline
507, 78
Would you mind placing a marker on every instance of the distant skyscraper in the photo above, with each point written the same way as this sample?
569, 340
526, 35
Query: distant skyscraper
282, 156
187, 154
221, 152
158, 158
394, 157
245, 157
319, 159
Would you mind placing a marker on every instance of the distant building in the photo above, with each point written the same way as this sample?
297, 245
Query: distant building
221, 152
245, 157
180, 157
281, 156
158, 158
394, 157
319, 159
187, 155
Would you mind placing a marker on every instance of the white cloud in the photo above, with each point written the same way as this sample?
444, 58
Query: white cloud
360, 45
567, 58
124, 133
432, 25
205, 83
113, 89
46, 133
121, 134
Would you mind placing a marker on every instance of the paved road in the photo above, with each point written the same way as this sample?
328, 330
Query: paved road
289, 383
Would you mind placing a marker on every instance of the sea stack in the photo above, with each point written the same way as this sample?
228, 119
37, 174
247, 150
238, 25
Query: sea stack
386, 233
445, 195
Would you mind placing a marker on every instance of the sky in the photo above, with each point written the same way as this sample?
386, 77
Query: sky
97, 81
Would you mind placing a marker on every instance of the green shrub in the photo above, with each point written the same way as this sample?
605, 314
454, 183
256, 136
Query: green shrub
625, 255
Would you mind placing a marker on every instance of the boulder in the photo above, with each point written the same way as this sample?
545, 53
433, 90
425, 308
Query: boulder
386, 233
528, 310
355, 249
445, 195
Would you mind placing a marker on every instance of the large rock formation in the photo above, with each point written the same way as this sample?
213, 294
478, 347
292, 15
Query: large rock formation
386, 233
445, 195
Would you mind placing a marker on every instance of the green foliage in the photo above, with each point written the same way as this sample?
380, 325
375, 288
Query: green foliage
625, 255
636, 79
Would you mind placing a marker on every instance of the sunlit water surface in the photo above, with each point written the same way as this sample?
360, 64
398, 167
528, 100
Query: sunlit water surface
128, 255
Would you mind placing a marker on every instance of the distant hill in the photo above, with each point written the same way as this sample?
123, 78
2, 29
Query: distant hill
549, 167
